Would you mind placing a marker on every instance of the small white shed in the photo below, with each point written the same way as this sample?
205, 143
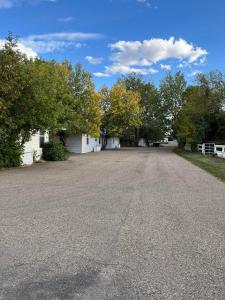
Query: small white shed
113, 143
220, 151
83, 143
142, 143
32, 149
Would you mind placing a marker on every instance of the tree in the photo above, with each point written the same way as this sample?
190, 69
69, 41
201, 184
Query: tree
213, 89
202, 117
190, 124
171, 93
120, 109
152, 115
31, 96
83, 110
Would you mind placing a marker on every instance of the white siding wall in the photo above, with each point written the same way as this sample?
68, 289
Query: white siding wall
74, 143
46, 137
220, 150
142, 143
92, 146
113, 143
30, 148
78, 144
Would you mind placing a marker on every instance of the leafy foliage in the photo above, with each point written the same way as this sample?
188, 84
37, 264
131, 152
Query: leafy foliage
202, 116
54, 151
120, 109
171, 92
44, 95
83, 109
152, 114
10, 153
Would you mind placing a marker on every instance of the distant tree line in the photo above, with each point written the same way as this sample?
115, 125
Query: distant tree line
189, 113
36, 94
45, 95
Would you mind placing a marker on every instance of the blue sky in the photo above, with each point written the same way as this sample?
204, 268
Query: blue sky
115, 37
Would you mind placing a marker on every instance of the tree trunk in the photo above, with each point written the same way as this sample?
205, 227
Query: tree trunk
181, 144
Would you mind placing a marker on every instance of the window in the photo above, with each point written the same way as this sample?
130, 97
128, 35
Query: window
219, 149
87, 139
42, 139
113, 140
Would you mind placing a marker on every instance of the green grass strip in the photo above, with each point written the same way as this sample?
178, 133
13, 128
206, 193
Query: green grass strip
211, 164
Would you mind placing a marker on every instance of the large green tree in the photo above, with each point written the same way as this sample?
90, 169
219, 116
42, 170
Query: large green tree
120, 109
152, 115
171, 92
213, 89
190, 124
202, 116
83, 109
32, 93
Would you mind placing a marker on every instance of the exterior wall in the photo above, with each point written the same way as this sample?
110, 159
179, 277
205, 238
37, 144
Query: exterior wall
92, 146
113, 143
46, 135
78, 144
220, 150
142, 143
31, 149
74, 143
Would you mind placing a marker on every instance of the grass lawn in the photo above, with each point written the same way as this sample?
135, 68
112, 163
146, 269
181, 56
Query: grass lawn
213, 165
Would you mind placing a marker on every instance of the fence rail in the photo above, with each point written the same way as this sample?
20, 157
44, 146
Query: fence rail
210, 149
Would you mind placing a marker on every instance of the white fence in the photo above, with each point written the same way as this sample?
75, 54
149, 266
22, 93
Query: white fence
210, 148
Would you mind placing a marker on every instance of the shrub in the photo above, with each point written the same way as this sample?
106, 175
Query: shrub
54, 151
10, 154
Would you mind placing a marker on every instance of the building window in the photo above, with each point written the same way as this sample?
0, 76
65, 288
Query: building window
87, 139
42, 139
219, 149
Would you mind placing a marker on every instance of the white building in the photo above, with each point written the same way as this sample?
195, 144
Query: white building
142, 143
220, 151
33, 149
113, 143
83, 143
211, 148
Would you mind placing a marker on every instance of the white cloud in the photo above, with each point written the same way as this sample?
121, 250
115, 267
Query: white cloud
201, 62
148, 52
183, 65
66, 19
194, 73
122, 69
147, 3
100, 74
22, 48
6, 3
166, 67
10, 3
94, 60
46, 43
139, 56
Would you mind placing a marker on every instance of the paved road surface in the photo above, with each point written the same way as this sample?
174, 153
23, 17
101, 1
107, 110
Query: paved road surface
129, 224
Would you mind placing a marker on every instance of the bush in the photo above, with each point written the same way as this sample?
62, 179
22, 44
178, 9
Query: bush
10, 154
54, 151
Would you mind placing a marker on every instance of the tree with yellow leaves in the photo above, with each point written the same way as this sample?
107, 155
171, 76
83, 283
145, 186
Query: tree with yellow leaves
120, 109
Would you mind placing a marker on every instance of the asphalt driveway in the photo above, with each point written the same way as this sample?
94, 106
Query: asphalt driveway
129, 224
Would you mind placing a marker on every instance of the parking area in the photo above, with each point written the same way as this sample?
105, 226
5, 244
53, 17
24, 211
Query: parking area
127, 224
